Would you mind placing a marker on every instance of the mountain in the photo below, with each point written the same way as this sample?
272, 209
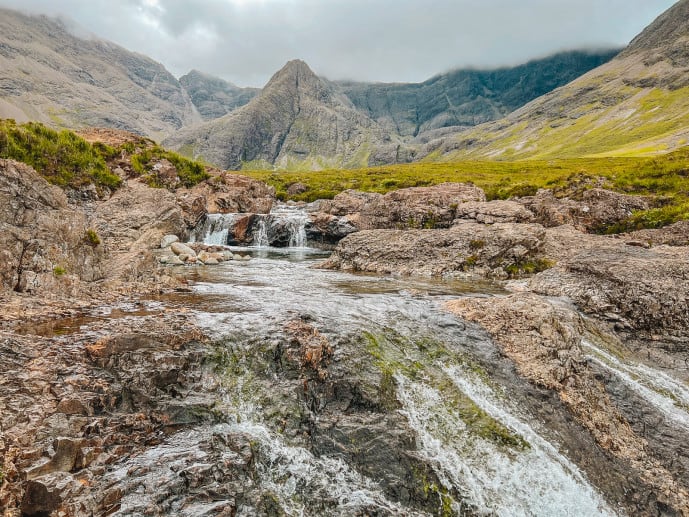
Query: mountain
636, 104
468, 97
215, 97
298, 120
51, 75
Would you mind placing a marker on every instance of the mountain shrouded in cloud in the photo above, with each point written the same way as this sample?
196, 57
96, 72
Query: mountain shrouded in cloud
245, 41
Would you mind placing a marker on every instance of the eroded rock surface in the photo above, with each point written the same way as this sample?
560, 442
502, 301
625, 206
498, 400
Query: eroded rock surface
44, 243
493, 251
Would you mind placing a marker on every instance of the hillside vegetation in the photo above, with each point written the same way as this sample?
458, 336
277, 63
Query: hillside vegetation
665, 179
69, 161
61, 157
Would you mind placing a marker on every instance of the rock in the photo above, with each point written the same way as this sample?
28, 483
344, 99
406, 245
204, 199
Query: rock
593, 210
642, 289
203, 256
211, 261
38, 500
674, 235
227, 255
225, 193
494, 251
179, 248
490, 212
296, 188
543, 338
308, 347
326, 229
174, 260
133, 222
416, 207
44, 245
168, 240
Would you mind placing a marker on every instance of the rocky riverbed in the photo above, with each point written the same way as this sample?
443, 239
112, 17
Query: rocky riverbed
469, 356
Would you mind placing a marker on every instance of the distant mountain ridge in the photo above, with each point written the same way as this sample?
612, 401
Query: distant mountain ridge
215, 97
468, 97
50, 75
297, 120
635, 104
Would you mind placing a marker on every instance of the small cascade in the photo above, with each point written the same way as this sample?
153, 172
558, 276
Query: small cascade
663, 392
284, 226
261, 234
494, 480
215, 229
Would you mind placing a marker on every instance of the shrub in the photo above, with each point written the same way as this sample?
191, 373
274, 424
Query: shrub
92, 237
62, 158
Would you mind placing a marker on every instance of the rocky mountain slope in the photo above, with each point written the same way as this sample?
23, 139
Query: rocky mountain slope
468, 97
636, 104
53, 76
215, 97
297, 120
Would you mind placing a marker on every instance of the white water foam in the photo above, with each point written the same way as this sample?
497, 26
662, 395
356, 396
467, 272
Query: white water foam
495, 480
663, 392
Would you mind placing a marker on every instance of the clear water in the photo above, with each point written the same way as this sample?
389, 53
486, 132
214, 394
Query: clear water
251, 301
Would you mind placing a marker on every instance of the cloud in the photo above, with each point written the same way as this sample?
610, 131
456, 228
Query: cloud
245, 41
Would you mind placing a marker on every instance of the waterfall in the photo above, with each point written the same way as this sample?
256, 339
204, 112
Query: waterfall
261, 235
663, 392
284, 226
496, 481
215, 228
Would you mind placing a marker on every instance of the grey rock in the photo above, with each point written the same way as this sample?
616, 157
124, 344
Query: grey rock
297, 118
168, 240
179, 248
53, 76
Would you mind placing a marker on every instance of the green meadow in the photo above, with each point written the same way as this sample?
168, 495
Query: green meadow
663, 178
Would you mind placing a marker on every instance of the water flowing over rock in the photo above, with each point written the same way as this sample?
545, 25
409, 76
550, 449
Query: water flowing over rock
284, 226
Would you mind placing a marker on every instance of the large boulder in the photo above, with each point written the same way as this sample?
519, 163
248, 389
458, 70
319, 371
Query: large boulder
225, 193
132, 223
498, 250
415, 207
44, 244
591, 210
635, 288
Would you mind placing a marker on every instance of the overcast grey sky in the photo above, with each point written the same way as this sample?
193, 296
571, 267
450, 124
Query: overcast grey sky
246, 41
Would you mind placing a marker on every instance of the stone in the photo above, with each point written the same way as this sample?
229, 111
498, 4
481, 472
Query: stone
179, 248
39, 499
43, 244
589, 211
227, 255
168, 240
469, 248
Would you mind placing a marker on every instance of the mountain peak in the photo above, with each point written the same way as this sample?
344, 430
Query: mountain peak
666, 30
295, 71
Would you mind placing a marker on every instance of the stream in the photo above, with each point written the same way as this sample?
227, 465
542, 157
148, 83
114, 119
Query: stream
414, 412
482, 452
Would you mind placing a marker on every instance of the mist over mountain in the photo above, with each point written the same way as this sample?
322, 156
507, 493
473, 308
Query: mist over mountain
52, 76
468, 97
635, 104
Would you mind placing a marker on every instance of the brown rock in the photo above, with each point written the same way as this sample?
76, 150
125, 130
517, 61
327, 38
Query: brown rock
39, 500
592, 210
466, 248
416, 207
43, 244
